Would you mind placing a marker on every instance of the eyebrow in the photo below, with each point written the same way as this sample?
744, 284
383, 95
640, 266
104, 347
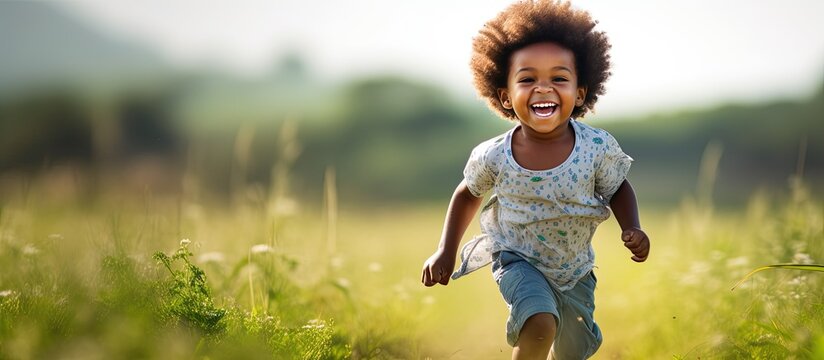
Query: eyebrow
554, 68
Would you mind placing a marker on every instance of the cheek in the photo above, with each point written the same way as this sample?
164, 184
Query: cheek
522, 94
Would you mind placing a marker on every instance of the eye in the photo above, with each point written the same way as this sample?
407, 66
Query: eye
559, 79
524, 80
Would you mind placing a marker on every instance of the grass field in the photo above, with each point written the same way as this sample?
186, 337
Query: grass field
252, 280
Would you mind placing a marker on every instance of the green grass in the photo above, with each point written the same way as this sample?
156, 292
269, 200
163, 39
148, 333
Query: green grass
112, 279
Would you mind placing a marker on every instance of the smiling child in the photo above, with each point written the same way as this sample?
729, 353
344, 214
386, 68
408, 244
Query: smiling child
553, 178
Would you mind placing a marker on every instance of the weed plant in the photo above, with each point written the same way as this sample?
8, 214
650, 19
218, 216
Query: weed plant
110, 304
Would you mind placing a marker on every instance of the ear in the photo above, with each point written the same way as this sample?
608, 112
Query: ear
580, 96
503, 96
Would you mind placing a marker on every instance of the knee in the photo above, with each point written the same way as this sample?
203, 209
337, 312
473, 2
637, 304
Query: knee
540, 327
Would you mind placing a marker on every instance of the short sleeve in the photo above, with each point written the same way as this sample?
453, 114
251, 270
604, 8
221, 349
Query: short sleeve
477, 174
612, 169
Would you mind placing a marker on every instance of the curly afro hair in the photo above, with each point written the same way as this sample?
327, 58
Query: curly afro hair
528, 22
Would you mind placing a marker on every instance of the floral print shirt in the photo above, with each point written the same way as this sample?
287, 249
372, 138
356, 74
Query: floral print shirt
549, 216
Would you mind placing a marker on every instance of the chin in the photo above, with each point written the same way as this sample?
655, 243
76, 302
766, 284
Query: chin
546, 125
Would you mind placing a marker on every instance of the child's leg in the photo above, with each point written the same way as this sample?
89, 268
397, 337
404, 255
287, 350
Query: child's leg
578, 335
535, 339
533, 306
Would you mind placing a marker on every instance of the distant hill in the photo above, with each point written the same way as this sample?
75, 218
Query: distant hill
43, 46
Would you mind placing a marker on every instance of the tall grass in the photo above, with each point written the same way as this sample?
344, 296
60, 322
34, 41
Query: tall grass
262, 277
81, 280
777, 315
681, 306
82, 283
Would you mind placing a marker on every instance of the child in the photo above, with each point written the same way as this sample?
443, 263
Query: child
541, 65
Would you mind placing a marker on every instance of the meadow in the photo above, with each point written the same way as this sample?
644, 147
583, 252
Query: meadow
145, 276
193, 214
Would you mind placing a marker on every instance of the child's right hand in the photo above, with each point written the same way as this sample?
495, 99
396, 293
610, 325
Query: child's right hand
438, 268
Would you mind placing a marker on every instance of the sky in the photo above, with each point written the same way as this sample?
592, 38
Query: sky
667, 55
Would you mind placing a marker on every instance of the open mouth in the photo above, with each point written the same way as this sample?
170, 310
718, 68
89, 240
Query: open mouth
544, 109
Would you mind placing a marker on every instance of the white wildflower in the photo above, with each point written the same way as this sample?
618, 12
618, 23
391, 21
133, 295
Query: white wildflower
284, 207
30, 249
137, 257
261, 248
344, 283
802, 258
315, 324
696, 274
717, 339
400, 290
336, 262
428, 300
375, 267
798, 280
700, 267
55, 237
185, 242
193, 211
211, 257
738, 262
6, 293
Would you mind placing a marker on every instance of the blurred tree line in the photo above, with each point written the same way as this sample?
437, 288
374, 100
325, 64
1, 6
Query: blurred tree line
390, 139
762, 146
84, 113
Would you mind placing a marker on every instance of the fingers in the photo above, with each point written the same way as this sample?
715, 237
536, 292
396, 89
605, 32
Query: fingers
434, 275
632, 237
637, 248
637, 242
426, 277
437, 269
444, 278
429, 276
640, 253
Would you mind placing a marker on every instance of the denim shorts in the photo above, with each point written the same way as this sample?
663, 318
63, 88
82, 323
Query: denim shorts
527, 292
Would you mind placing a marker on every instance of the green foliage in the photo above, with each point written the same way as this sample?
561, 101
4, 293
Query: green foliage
764, 145
775, 315
311, 341
188, 297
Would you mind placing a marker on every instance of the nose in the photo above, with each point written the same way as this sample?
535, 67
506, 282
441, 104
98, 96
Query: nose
543, 87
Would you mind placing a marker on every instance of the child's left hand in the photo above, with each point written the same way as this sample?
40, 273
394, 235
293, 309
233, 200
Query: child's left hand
636, 240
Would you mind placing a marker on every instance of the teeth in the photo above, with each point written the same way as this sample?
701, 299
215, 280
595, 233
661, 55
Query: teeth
544, 105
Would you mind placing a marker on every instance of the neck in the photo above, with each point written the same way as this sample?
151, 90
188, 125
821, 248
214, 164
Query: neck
562, 133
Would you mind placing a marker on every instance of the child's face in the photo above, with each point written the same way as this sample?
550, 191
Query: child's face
542, 86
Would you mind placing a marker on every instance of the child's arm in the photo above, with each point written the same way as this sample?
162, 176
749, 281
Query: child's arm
625, 208
462, 208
